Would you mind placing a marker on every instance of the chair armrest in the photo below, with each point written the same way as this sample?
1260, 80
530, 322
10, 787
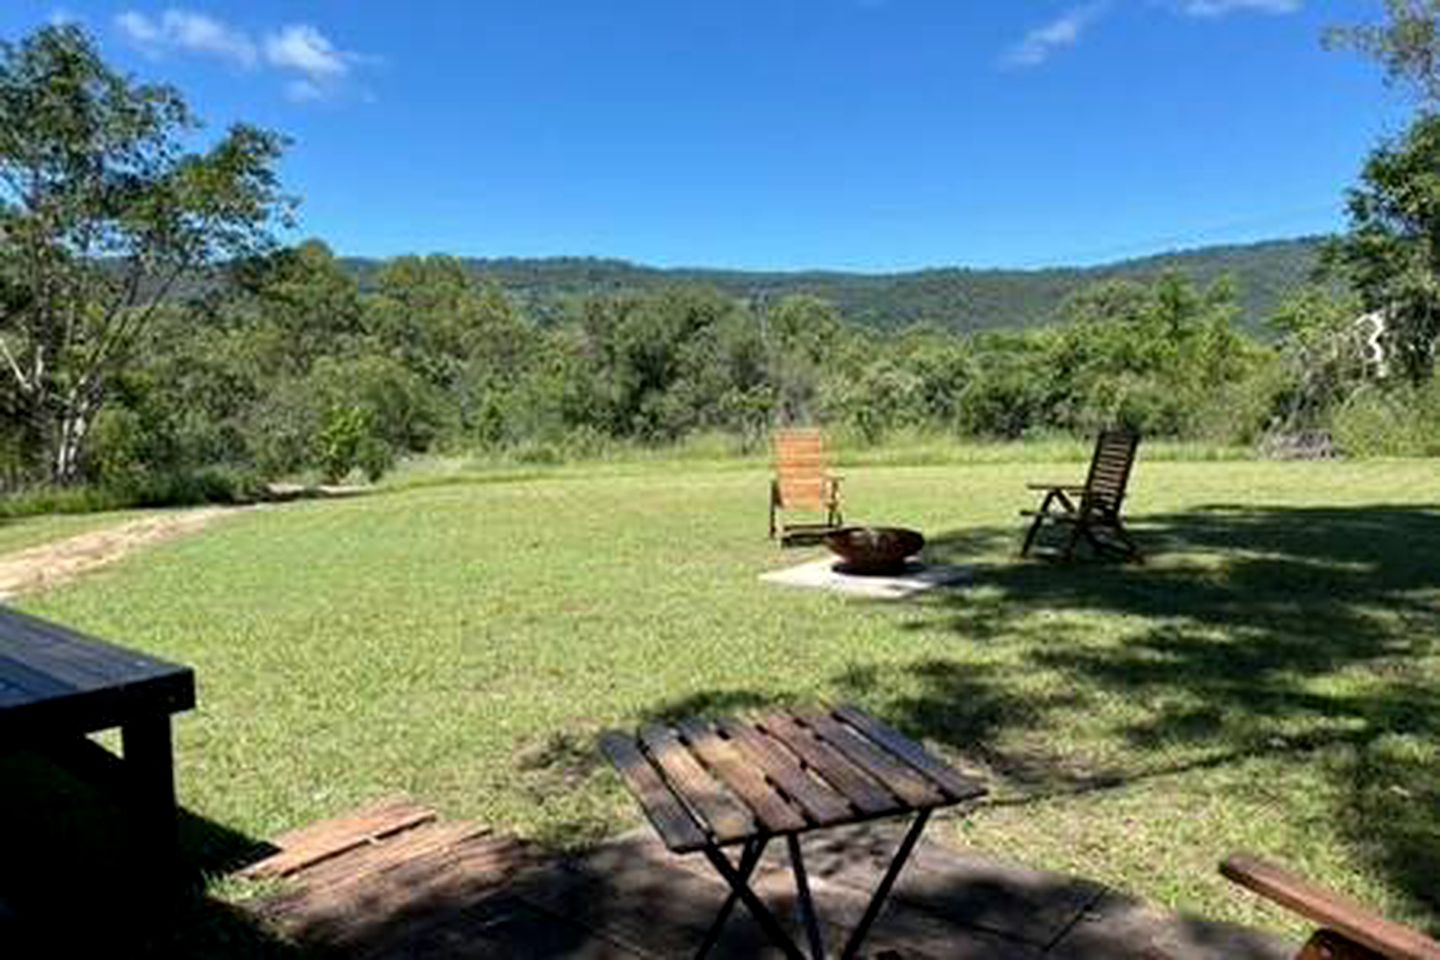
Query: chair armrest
1331, 910
1067, 487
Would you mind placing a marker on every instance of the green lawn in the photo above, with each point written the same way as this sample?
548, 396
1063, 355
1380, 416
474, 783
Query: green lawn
1269, 681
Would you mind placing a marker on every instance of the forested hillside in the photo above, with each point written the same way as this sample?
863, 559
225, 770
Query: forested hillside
169, 347
952, 298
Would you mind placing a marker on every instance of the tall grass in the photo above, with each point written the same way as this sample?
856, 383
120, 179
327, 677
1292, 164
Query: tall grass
724, 451
187, 489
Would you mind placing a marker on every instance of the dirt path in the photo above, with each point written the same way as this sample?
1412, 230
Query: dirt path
40, 568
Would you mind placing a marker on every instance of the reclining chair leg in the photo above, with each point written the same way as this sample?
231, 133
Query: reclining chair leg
1079, 528
1030, 535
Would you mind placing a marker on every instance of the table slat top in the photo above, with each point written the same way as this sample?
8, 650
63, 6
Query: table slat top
47, 668
705, 783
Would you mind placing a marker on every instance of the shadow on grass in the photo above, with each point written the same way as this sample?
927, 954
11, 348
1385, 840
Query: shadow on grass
73, 881
1304, 633
1253, 630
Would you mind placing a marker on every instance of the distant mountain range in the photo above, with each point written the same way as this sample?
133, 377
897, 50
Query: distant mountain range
955, 298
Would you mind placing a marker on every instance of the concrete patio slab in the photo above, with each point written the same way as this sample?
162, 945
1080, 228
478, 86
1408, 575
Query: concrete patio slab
489, 896
959, 886
1118, 925
822, 574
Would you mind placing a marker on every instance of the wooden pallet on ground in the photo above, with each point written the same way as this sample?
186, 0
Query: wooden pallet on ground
363, 881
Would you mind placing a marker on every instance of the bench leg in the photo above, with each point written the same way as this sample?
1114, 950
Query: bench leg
150, 776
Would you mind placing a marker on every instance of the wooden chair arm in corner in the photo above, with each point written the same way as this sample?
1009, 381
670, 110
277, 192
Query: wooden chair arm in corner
1330, 910
1067, 487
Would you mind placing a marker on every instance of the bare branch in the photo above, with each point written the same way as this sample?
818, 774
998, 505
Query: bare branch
25, 385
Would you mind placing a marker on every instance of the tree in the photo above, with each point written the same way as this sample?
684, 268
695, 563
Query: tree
462, 336
1324, 356
102, 215
1407, 46
1391, 253
799, 333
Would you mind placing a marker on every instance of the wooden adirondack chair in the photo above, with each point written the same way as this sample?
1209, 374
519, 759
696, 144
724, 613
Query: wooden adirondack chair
1091, 511
1347, 931
802, 482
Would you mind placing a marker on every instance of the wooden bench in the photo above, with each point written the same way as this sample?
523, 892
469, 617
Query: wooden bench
1347, 931
57, 686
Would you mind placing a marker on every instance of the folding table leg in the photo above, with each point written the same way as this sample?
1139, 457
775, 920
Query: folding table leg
748, 861
882, 892
804, 906
758, 910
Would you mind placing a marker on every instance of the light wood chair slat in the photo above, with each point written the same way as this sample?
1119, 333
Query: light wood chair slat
802, 482
1348, 930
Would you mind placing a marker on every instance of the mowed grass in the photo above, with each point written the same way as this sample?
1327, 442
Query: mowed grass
1269, 681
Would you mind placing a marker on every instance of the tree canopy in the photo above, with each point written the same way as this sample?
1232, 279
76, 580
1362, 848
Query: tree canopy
1406, 45
102, 212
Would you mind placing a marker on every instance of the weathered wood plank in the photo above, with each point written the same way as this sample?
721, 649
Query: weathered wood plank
1333, 911
955, 785
744, 779
898, 777
847, 779
362, 863
726, 819
818, 799
401, 898
316, 842
677, 828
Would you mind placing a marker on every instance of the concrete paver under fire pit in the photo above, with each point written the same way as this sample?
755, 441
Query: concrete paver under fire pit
917, 578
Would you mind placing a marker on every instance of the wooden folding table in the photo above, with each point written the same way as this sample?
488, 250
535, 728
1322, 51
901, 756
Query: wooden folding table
707, 785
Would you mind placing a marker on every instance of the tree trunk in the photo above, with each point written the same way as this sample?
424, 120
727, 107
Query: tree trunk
69, 443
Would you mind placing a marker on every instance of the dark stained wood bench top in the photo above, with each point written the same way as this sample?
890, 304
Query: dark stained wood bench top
55, 681
704, 783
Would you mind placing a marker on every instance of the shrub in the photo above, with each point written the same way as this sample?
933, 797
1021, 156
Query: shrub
1395, 422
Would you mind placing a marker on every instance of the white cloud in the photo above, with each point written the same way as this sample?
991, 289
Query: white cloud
1219, 8
317, 68
304, 91
188, 32
1064, 31
138, 28
1068, 29
303, 48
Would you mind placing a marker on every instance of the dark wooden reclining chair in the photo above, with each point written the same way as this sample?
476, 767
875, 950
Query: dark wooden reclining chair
1347, 930
1092, 510
802, 482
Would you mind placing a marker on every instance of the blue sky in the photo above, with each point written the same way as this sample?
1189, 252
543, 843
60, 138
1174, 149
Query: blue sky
854, 134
